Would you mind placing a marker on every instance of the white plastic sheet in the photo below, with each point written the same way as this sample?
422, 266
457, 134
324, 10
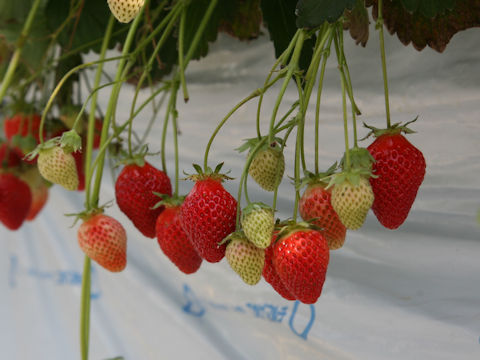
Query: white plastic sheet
413, 293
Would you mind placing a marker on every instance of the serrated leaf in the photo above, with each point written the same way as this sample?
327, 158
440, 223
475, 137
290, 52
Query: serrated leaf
313, 13
420, 30
279, 16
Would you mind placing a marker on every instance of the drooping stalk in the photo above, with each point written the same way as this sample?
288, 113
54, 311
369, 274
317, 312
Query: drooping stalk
384, 62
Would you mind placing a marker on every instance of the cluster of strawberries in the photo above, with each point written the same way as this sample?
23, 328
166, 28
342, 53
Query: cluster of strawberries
24, 181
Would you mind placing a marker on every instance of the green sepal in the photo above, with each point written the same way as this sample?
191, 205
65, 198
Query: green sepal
255, 206
250, 144
353, 176
288, 226
312, 178
42, 147
207, 173
87, 214
138, 158
167, 200
394, 129
360, 158
71, 141
233, 236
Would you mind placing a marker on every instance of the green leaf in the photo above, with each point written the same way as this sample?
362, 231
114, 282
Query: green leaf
279, 16
313, 13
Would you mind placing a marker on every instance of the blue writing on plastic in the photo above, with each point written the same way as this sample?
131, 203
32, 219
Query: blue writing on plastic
307, 328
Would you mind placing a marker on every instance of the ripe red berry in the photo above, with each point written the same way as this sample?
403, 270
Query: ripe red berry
315, 203
134, 192
208, 215
301, 259
400, 169
15, 201
270, 274
104, 240
174, 241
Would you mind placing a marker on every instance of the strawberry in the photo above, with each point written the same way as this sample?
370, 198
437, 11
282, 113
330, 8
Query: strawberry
399, 169
57, 165
208, 214
9, 157
134, 192
267, 163
267, 167
22, 124
125, 10
39, 190
80, 165
300, 257
351, 200
245, 258
315, 204
104, 240
174, 241
15, 200
271, 276
257, 223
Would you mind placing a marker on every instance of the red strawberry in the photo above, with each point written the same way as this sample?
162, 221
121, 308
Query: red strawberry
134, 191
400, 169
39, 190
104, 240
22, 125
174, 241
270, 274
14, 158
80, 164
208, 215
15, 200
300, 258
315, 204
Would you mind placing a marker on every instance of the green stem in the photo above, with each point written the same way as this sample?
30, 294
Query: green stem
345, 122
59, 86
253, 95
293, 66
12, 66
170, 107
93, 108
281, 59
326, 54
181, 64
122, 66
85, 309
384, 62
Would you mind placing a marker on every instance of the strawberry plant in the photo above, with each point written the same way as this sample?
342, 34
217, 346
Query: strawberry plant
71, 139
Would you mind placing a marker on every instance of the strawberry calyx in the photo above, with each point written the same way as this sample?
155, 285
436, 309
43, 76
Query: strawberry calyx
255, 206
252, 143
394, 129
360, 159
311, 179
137, 158
353, 176
290, 226
208, 173
88, 214
236, 235
70, 142
168, 201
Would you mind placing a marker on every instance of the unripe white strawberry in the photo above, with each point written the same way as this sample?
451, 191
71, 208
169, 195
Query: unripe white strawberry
258, 222
245, 259
125, 10
58, 166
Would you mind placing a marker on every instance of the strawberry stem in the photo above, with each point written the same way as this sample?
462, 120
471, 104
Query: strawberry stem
292, 67
181, 64
326, 54
344, 105
85, 309
379, 26
281, 59
93, 107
